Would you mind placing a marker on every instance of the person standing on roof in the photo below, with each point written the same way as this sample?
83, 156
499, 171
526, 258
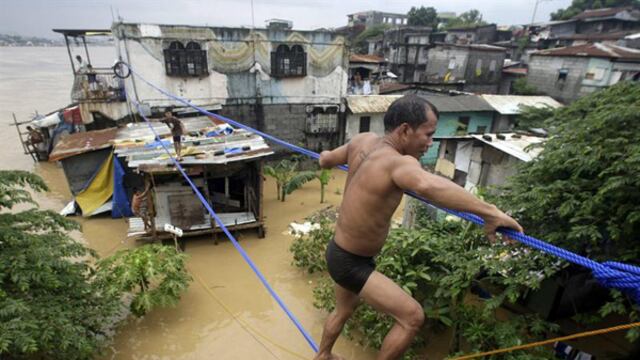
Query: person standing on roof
177, 129
381, 169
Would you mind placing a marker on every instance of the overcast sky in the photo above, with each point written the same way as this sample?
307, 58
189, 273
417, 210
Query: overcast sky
38, 17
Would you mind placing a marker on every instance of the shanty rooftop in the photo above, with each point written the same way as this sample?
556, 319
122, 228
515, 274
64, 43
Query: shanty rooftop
205, 142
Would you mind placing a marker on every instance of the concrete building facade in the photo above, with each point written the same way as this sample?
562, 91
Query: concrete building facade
286, 82
407, 50
567, 74
478, 67
372, 18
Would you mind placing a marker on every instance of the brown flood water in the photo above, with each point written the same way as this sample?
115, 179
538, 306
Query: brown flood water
226, 313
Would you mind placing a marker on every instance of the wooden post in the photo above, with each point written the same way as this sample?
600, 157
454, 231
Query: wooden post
260, 197
207, 195
15, 121
25, 148
154, 233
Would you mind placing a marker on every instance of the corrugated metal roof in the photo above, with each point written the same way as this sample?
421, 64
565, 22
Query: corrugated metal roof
514, 146
136, 142
514, 71
510, 104
484, 47
365, 104
608, 51
595, 37
595, 13
366, 58
82, 142
459, 103
371, 104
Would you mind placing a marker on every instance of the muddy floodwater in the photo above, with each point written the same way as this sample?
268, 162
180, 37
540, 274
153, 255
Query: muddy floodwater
226, 313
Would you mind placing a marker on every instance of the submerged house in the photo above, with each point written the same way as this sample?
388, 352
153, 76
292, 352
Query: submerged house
105, 167
87, 162
278, 80
224, 163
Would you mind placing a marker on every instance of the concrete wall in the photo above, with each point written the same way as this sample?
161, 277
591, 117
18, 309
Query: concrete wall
448, 62
285, 121
544, 70
499, 166
407, 50
564, 29
481, 70
239, 64
487, 165
353, 124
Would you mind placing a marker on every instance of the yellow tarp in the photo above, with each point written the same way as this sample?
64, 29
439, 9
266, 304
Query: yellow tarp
99, 191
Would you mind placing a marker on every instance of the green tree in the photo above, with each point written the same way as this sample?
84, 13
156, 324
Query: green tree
288, 178
324, 176
581, 192
578, 6
533, 117
155, 275
469, 18
423, 16
50, 305
522, 87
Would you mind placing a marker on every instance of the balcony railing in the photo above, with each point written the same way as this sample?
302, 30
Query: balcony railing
97, 84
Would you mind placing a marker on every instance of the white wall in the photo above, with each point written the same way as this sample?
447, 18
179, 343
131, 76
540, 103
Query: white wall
353, 124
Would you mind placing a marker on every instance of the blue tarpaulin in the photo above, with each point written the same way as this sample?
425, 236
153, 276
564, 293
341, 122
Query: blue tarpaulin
121, 206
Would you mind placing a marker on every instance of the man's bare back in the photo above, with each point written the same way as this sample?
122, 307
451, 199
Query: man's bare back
370, 197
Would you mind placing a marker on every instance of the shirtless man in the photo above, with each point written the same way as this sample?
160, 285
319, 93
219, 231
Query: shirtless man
380, 170
140, 206
177, 129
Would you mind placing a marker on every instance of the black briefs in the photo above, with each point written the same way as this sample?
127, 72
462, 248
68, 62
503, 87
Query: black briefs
348, 270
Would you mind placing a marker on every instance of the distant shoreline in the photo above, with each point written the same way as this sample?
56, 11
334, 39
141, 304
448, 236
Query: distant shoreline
51, 46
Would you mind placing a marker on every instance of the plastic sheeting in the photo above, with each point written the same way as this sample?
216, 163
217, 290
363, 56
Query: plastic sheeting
47, 121
121, 205
99, 191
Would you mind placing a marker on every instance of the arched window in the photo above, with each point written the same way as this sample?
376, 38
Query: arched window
189, 61
288, 61
173, 58
196, 60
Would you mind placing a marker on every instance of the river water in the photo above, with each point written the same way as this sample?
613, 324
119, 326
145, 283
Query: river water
226, 313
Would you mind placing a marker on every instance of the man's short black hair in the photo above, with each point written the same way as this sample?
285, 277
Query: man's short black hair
169, 109
410, 109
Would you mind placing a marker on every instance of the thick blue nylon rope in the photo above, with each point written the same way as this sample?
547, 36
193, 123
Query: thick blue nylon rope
233, 240
610, 274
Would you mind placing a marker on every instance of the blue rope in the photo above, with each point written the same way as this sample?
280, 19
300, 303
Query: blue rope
610, 274
233, 240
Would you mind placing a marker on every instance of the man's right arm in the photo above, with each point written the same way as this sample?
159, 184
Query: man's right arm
332, 158
410, 176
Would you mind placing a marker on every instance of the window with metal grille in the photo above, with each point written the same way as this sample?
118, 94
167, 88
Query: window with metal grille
323, 121
288, 61
189, 61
